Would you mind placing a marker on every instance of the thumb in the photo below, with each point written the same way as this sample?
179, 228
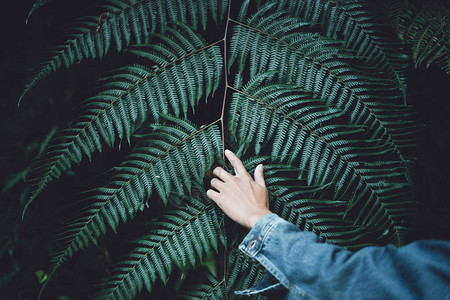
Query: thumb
259, 176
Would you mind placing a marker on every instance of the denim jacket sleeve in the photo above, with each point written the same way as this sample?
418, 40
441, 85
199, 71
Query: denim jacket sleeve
298, 262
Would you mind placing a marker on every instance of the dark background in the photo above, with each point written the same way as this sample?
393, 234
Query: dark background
24, 245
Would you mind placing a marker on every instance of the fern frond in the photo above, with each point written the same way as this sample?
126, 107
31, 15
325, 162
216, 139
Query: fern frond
395, 12
176, 154
309, 206
429, 34
125, 22
321, 65
35, 6
424, 26
22, 175
209, 288
310, 136
184, 235
352, 22
131, 96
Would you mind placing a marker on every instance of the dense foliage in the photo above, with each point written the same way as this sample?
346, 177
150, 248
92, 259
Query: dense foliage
315, 90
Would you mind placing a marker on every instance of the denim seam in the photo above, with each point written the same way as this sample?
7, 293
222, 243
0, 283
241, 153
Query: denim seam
265, 236
252, 292
265, 262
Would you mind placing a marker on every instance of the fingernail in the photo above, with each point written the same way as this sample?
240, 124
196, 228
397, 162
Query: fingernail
227, 151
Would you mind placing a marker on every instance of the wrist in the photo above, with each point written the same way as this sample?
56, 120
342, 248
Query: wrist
253, 219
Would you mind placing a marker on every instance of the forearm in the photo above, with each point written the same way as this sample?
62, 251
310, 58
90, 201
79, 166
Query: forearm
315, 270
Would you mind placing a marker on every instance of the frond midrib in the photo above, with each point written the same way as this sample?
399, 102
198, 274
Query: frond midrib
396, 74
216, 286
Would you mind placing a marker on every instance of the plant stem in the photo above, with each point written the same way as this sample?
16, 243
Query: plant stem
225, 70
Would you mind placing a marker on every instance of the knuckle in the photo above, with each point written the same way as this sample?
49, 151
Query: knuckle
246, 177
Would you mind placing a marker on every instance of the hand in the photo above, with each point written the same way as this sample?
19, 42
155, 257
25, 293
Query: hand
241, 198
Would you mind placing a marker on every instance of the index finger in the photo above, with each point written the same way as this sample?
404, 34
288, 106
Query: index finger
235, 162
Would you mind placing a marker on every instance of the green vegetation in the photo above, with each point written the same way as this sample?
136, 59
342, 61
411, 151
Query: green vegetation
314, 90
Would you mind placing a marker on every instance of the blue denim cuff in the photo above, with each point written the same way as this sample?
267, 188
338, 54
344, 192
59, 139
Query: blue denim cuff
254, 240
